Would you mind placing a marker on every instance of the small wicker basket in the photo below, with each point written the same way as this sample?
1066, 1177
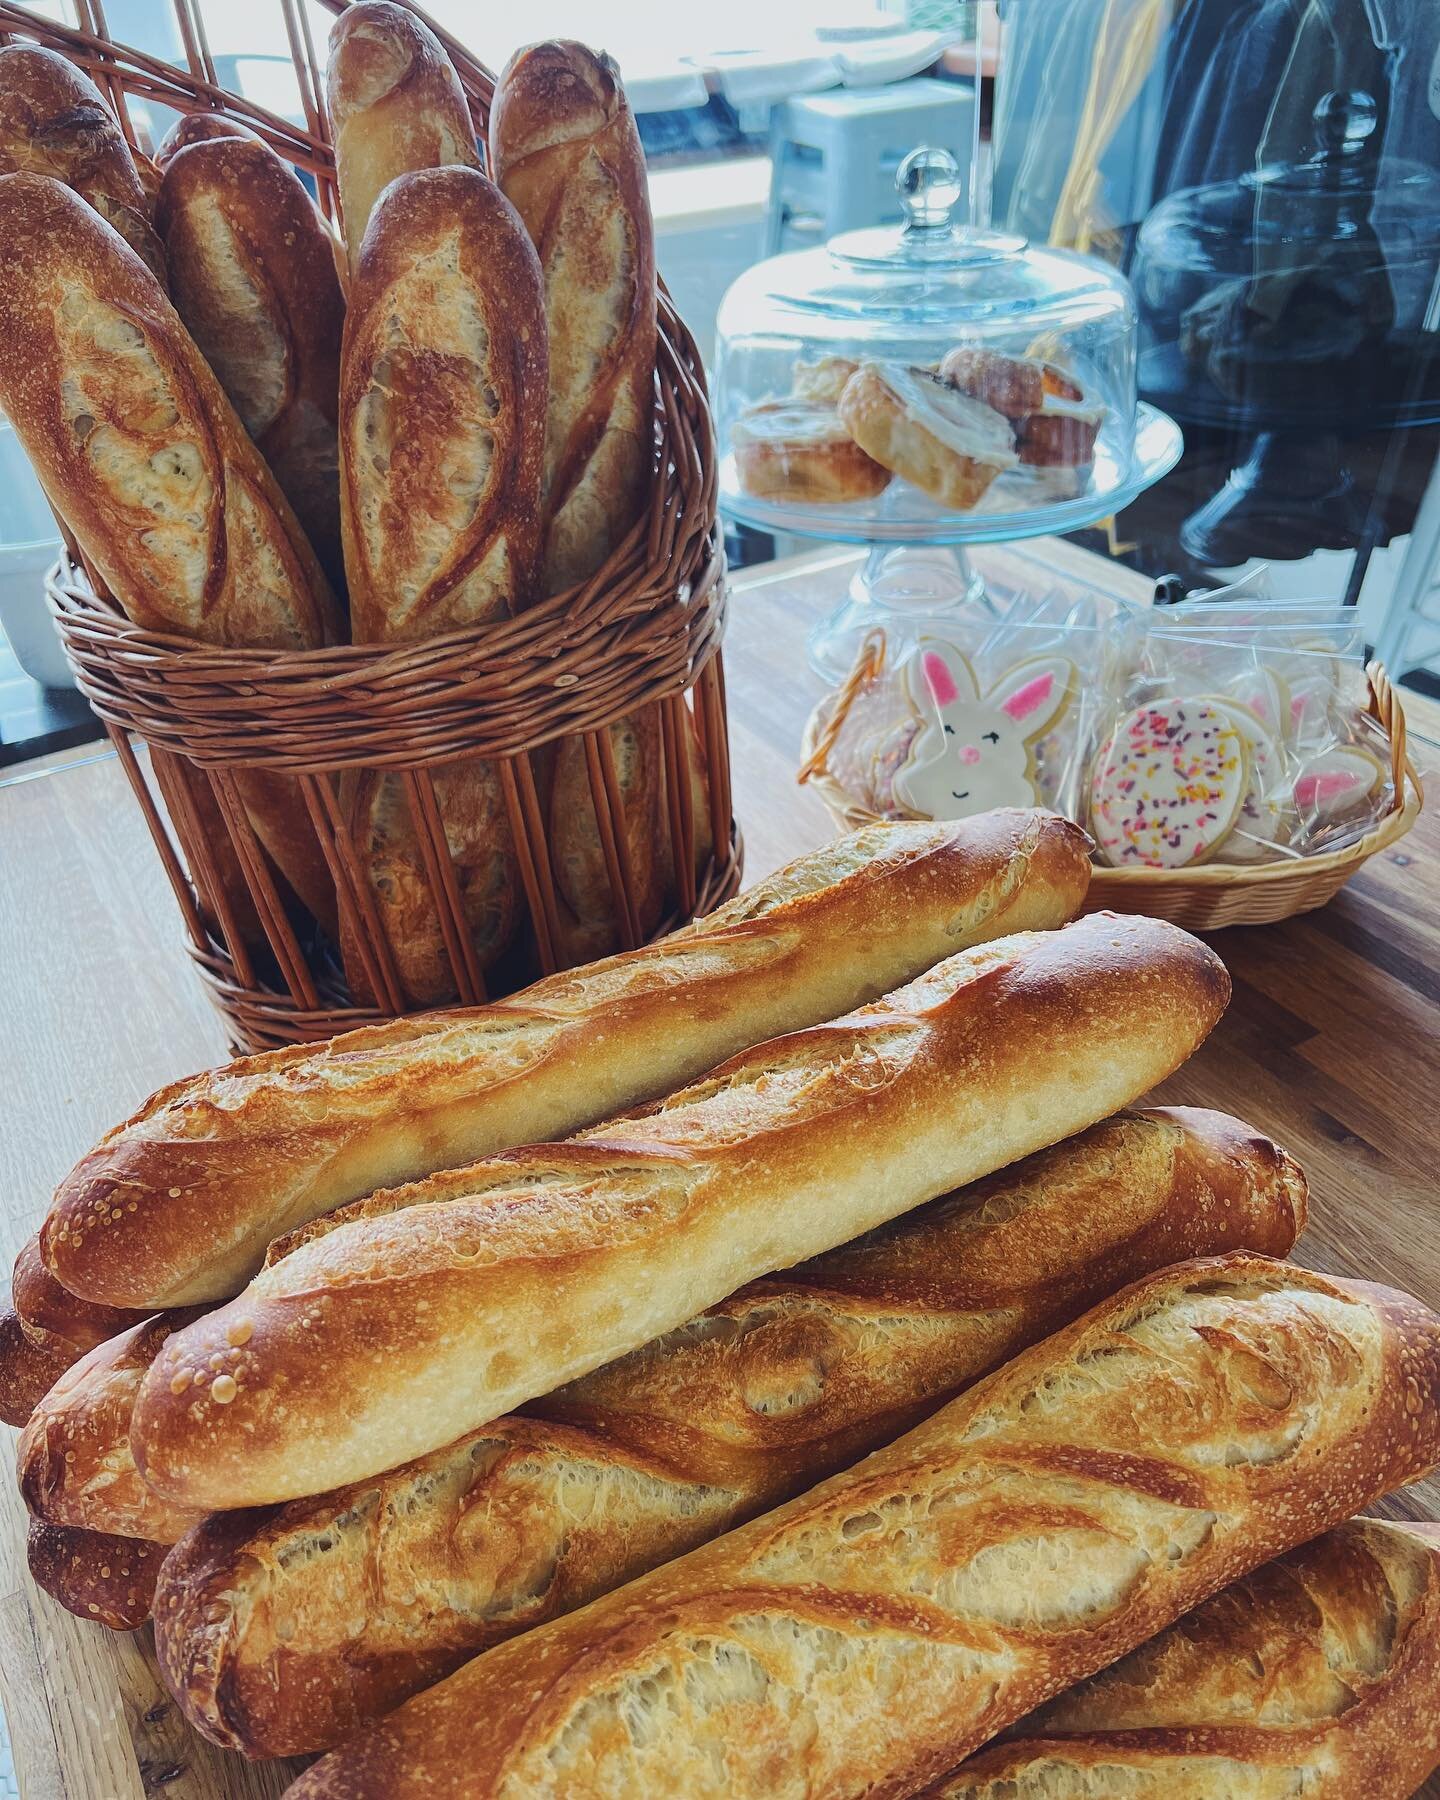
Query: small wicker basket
643, 630
1212, 895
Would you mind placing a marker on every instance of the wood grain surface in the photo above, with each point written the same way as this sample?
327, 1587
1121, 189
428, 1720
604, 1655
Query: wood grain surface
1332, 1045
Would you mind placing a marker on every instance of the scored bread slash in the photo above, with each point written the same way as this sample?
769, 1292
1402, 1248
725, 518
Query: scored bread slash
178, 1204
582, 1251
1318, 1675
275, 1651
73, 1461
870, 1635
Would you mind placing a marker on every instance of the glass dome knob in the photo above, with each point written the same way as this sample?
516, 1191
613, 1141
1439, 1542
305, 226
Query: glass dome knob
1345, 120
929, 185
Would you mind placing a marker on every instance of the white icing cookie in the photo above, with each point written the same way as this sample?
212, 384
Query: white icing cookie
971, 754
1168, 785
1335, 783
1261, 822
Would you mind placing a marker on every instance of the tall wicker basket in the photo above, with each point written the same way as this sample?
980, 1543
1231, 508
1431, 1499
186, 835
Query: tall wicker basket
645, 628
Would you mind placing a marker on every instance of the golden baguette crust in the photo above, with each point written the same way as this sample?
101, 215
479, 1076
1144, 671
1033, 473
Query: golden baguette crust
285, 1631
1317, 1675
265, 1143
567, 153
54, 121
200, 128
482, 850
492, 1285
252, 274
108, 1580
868, 1636
442, 410
28, 1368
74, 1462
395, 105
442, 439
134, 441
54, 1318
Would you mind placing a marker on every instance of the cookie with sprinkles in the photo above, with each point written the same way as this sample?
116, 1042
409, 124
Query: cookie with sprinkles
1261, 823
1168, 785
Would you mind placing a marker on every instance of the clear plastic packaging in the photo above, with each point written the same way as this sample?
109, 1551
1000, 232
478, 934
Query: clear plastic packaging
996, 712
1239, 736
1229, 729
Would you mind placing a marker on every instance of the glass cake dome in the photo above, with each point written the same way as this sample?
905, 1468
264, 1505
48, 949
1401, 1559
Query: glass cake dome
937, 381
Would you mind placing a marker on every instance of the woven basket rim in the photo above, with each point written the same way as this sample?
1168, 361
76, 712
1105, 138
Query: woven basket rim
1405, 809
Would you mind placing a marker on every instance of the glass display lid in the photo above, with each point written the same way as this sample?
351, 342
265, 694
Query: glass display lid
938, 380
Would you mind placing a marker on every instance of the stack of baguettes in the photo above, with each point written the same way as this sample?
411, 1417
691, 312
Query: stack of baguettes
541, 1405
263, 438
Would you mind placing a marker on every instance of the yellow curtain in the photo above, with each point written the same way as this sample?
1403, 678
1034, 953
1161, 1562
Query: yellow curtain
1130, 35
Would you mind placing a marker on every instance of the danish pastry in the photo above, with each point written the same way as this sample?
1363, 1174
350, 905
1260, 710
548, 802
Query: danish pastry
1013, 385
799, 450
823, 380
1060, 436
949, 445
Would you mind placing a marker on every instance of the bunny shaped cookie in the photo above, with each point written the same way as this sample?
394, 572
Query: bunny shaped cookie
971, 754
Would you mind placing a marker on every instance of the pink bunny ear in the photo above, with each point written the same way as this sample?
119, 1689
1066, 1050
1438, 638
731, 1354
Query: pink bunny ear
938, 678
1030, 698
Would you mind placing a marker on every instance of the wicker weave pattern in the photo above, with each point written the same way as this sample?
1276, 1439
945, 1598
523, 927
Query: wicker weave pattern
645, 627
1209, 897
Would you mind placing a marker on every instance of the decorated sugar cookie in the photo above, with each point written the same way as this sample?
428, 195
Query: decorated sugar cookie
972, 754
1168, 785
1264, 695
1336, 782
1261, 824
873, 741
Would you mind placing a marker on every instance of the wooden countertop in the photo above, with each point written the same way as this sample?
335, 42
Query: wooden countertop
1332, 1045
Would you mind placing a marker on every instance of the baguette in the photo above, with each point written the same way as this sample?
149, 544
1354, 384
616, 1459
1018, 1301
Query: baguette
867, 1637
402, 1328
266, 1143
141, 454
108, 1580
28, 1369
395, 105
200, 128
134, 441
441, 446
567, 153
74, 1462
55, 1319
252, 274
275, 1649
1317, 1675
54, 122
442, 410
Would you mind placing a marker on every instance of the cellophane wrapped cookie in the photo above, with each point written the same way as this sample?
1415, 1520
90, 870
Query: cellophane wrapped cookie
1239, 736
994, 712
